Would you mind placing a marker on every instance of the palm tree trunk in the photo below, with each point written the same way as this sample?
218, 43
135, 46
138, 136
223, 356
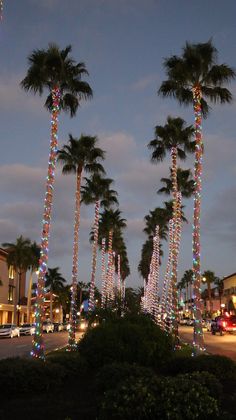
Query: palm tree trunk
38, 345
209, 296
51, 314
166, 294
175, 246
71, 341
94, 257
118, 277
198, 340
110, 288
29, 295
104, 288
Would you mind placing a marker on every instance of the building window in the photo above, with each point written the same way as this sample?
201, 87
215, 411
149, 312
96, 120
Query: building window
11, 272
10, 294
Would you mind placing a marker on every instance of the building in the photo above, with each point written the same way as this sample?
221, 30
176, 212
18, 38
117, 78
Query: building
13, 304
230, 293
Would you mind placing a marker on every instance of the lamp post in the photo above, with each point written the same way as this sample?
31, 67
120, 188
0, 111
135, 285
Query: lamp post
18, 307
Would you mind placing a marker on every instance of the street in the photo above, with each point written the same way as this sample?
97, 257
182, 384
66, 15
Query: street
215, 344
13, 347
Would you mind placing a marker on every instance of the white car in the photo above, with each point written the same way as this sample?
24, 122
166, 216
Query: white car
48, 326
27, 329
9, 330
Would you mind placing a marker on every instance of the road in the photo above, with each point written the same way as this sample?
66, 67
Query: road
215, 344
12, 347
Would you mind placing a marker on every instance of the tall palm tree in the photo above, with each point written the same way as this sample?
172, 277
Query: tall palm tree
18, 257
97, 190
56, 71
185, 183
209, 277
54, 283
174, 137
78, 156
110, 224
193, 79
34, 256
187, 281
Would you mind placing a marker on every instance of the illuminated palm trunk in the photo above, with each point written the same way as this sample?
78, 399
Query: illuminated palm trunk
29, 295
118, 276
94, 257
104, 285
198, 340
38, 342
71, 341
175, 244
166, 303
110, 288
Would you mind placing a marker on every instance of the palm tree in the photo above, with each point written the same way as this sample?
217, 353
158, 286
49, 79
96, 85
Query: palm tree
110, 224
18, 257
54, 70
209, 277
185, 183
174, 137
220, 285
97, 190
78, 156
187, 280
194, 78
54, 283
34, 256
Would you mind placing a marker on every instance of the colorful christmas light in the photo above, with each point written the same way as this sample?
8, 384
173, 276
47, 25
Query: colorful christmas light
109, 279
104, 288
94, 257
198, 339
118, 276
38, 343
73, 310
166, 303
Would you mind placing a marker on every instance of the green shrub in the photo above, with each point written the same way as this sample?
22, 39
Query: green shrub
72, 363
131, 339
220, 366
179, 398
19, 376
109, 376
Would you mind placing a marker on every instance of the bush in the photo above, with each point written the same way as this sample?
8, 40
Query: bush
131, 339
20, 376
220, 366
72, 363
109, 376
179, 398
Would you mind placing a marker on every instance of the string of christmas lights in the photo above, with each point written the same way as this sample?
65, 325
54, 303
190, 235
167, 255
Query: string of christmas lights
110, 285
104, 288
166, 294
73, 310
94, 257
38, 342
198, 340
118, 276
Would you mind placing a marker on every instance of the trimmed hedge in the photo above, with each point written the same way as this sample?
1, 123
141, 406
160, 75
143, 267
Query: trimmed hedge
180, 398
128, 340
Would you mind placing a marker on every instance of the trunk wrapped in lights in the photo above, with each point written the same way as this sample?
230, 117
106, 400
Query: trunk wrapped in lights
104, 283
94, 257
73, 309
38, 344
118, 276
166, 303
198, 340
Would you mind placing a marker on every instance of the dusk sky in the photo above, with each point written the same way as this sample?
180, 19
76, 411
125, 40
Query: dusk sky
123, 44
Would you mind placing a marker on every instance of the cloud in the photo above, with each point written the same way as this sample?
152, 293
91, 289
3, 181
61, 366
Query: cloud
145, 82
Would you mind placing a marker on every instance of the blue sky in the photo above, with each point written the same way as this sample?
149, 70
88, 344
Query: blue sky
123, 43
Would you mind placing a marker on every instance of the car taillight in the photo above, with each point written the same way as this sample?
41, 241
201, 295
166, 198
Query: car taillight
224, 323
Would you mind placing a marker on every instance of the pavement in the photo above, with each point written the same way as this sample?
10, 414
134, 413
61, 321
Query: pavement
21, 347
224, 345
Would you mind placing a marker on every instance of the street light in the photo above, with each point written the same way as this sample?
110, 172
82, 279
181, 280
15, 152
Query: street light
204, 279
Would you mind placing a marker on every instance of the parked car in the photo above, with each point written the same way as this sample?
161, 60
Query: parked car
48, 326
222, 324
58, 326
27, 329
9, 330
